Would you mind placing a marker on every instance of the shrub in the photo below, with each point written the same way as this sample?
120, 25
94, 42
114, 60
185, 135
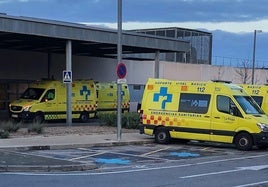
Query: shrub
108, 118
4, 134
35, 127
10, 126
130, 120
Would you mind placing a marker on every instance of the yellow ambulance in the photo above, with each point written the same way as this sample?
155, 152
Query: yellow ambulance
206, 111
259, 93
107, 97
46, 100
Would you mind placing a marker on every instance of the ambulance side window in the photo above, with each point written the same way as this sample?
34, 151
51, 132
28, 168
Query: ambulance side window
50, 95
226, 105
194, 103
258, 99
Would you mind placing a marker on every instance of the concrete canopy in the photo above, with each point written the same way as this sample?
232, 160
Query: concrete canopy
49, 36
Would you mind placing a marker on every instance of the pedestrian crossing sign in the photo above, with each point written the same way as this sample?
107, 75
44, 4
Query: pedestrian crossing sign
67, 76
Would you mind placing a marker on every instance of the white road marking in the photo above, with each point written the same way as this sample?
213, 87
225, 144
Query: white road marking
141, 156
155, 151
252, 184
86, 156
212, 173
254, 168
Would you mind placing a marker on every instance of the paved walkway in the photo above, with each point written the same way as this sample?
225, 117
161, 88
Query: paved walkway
12, 159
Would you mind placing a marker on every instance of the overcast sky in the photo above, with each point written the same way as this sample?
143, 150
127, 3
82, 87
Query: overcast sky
232, 22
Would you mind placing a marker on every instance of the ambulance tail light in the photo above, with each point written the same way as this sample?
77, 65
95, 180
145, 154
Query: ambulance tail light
141, 115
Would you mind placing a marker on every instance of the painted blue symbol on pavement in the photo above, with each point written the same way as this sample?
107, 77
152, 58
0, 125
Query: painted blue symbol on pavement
112, 161
85, 91
163, 93
184, 154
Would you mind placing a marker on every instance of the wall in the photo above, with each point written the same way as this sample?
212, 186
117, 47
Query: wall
25, 65
22, 65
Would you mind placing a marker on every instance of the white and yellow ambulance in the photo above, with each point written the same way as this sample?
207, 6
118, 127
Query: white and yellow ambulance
206, 111
107, 97
46, 100
259, 93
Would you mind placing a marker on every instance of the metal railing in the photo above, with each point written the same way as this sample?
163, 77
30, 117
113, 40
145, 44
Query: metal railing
238, 62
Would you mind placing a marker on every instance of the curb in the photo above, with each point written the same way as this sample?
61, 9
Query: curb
54, 168
73, 146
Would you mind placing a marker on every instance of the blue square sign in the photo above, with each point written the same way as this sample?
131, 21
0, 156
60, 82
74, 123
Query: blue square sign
67, 76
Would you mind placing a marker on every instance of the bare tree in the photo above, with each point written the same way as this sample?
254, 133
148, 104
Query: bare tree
244, 72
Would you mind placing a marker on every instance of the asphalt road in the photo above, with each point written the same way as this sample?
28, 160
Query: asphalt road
151, 165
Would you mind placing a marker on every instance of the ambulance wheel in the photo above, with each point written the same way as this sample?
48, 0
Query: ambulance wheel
162, 135
243, 141
39, 118
84, 117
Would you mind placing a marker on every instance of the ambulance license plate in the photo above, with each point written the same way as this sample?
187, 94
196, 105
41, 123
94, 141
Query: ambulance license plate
14, 115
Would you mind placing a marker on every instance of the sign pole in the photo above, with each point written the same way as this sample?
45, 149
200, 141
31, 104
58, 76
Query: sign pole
119, 58
69, 84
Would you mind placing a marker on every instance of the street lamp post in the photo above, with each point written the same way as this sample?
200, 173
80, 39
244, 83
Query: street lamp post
253, 60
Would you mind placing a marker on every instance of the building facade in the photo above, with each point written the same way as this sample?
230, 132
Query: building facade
200, 42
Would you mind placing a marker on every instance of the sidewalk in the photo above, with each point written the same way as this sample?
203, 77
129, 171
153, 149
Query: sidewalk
13, 160
73, 141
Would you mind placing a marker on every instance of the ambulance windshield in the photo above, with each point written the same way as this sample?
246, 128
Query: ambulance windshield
248, 105
32, 93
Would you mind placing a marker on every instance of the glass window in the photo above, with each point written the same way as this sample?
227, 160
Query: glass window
50, 95
136, 87
32, 93
248, 105
258, 99
194, 103
226, 105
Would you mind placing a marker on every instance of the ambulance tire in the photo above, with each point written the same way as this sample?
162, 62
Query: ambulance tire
39, 118
84, 117
162, 135
243, 141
